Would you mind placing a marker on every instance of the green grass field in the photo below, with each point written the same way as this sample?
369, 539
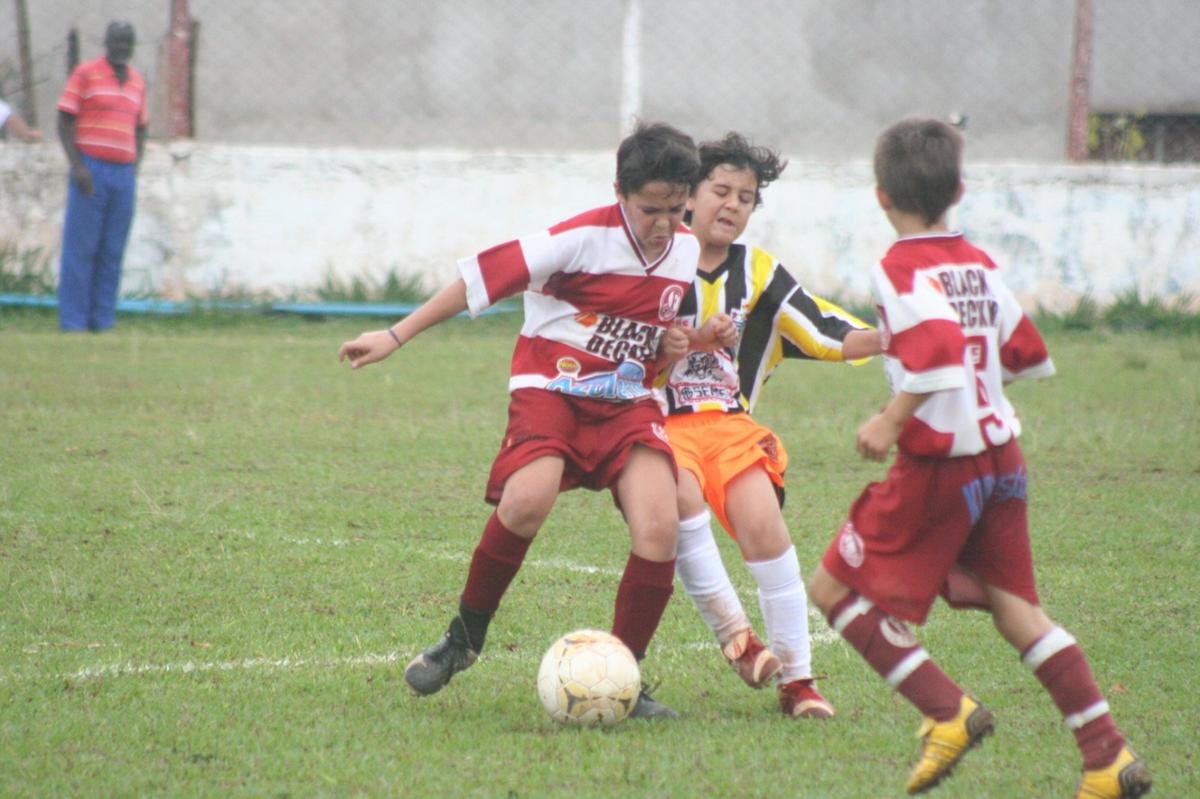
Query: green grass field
219, 547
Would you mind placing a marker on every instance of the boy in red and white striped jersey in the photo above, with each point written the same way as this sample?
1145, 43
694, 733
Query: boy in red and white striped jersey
600, 291
951, 515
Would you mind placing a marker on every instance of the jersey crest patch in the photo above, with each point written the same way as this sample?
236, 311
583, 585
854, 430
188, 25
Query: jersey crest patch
768, 445
669, 302
897, 633
850, 546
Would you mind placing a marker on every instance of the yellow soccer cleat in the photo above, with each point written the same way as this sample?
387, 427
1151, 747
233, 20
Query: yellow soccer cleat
945, 742
1126, 778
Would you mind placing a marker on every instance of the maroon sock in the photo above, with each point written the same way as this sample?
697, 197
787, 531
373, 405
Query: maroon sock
887, 645
1060, 665
496, 561
642, 597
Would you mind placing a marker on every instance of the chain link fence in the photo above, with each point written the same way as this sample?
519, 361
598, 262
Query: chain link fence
817, 79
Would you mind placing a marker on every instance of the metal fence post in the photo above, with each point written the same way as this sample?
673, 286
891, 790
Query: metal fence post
28, 107
1081, 82
179, 73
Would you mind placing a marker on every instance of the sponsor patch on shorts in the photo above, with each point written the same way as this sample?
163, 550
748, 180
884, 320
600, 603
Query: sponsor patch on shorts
850, 546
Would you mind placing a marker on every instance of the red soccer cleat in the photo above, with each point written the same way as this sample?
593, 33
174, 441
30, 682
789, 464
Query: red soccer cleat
800, 699
751, 659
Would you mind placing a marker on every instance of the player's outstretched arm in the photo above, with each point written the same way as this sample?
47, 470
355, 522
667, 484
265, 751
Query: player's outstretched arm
861, 344
20, 128
375, 345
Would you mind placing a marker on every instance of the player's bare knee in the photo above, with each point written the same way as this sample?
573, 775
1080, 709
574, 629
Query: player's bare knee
1021, 623
656, 538
523, 513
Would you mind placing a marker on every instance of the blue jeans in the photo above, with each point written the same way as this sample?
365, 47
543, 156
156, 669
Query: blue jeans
95, 232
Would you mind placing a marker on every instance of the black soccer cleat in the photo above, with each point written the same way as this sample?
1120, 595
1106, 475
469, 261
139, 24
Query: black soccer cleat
429, 671
651, 709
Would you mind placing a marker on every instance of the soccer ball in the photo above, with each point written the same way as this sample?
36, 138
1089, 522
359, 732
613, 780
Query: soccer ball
588, 678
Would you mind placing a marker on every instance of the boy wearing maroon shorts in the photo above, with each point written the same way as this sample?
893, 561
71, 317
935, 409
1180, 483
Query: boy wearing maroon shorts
950, 517
600, 290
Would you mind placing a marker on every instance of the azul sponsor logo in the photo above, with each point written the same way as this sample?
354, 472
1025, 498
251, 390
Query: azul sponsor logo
991, 490
620, 339
669, 302
850, 546
624, 384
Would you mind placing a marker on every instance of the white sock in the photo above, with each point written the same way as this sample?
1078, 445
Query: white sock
785, 612
700, 569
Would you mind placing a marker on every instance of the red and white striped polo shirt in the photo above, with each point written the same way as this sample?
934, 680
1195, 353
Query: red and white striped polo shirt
595, 309
107, 113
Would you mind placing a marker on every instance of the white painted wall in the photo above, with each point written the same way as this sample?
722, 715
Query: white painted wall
217, 219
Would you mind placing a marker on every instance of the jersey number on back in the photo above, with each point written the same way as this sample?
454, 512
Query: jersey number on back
991, 426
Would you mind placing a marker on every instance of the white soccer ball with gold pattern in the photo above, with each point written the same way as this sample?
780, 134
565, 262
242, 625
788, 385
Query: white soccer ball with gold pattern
588, 678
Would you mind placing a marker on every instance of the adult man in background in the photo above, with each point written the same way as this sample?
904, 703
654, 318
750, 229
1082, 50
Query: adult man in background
102, 121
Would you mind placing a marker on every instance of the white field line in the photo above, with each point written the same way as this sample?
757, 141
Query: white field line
820, 634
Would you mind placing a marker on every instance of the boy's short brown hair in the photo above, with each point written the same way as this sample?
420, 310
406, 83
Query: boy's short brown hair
918, 164
657, 152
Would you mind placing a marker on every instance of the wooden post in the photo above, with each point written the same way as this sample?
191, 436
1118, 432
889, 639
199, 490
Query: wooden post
1081, 83
28, 108
72, 50
179, 73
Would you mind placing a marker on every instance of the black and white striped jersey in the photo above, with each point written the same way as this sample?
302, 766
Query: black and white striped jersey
776, 318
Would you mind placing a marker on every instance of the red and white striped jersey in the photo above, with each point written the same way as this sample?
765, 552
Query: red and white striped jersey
953, 329
595, 309
107, 112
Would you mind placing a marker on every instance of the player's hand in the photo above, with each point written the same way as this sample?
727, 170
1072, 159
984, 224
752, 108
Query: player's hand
82, 177
673, 346
368, 348
719, 331
876, 437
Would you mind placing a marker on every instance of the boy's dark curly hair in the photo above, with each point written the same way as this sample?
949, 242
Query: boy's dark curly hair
736, 151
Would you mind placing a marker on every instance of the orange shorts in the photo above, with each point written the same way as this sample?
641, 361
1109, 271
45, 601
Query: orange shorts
716, 447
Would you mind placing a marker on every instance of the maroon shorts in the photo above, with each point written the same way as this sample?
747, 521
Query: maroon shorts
938, 524
593, 437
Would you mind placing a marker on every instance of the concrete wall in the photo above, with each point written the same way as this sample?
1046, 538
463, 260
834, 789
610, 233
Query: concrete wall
216, 219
